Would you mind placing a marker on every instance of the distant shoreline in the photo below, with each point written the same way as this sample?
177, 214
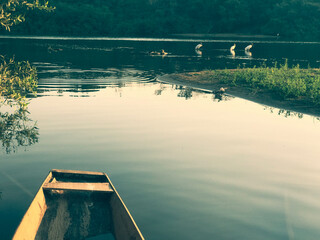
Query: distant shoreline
172, 38
264, 97
225, 36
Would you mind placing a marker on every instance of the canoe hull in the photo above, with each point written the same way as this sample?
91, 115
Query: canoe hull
77, 205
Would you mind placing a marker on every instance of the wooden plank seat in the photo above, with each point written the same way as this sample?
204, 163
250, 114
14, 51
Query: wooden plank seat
67, 207
78, 186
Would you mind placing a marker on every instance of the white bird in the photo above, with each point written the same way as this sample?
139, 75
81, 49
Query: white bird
233, 53
163, 53
248, 47
198, 46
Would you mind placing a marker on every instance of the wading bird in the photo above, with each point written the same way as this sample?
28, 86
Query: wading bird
198, 46
248, 47
233, 53
163, 52
159, 53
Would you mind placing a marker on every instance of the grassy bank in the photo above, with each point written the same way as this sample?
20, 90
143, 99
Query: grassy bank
279, 82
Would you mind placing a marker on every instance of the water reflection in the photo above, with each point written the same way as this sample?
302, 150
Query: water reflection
160, 90
198, 52
218, 97
18, 80
233, 53
188, 93
285, 113
185, 93
248, 53
238, 157
17, 129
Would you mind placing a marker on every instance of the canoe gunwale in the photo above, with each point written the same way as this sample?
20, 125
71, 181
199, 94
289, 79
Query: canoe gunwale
37, 209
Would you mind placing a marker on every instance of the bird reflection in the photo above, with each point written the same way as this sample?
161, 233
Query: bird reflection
198, 52
52, 49
233, 53
248, 53
161, 53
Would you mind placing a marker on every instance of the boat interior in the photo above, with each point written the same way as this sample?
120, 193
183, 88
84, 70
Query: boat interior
77, 205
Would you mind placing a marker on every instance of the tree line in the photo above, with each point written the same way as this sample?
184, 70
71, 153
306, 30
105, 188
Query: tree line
292, 19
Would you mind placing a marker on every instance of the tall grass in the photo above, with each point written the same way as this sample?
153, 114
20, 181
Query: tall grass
282, 81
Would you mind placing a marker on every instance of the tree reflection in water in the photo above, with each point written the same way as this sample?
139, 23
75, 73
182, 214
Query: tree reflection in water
188, 92
185, 93
17, 130
18, 79
284, 112
218, 97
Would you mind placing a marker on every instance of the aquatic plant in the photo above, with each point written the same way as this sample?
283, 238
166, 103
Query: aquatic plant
281, 81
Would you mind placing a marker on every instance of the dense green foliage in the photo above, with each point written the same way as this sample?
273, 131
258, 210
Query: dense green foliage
13, 12
286, 83
17, 79
291, 18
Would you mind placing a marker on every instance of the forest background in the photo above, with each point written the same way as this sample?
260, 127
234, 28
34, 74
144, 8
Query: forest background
291, 19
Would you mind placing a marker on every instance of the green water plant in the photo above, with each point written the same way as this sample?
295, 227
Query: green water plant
281, 81
285, 82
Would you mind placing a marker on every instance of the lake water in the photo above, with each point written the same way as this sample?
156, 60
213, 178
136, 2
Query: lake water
187, 165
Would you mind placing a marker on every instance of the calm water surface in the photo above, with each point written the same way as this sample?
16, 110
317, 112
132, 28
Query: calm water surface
187, 165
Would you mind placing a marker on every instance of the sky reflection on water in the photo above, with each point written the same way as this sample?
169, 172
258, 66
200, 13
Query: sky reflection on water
228, 169
188, 166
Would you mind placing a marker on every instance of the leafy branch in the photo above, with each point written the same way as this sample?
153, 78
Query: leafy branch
12, 12
17, 80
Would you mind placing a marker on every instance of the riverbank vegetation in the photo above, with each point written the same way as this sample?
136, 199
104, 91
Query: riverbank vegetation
292, 19
17, 81
12, 12
280, 82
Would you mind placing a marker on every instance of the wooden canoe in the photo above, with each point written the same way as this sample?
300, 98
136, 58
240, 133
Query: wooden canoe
77, 205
